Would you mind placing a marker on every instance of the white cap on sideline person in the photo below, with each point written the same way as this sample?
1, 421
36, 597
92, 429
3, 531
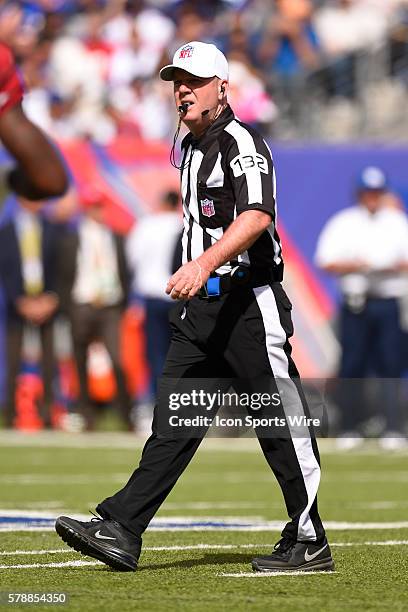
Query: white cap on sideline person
372, 178
198, 58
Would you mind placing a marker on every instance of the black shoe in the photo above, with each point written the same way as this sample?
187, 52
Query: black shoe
105, 540
302, 556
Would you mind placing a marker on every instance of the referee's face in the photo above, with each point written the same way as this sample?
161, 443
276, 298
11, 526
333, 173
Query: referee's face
202, 96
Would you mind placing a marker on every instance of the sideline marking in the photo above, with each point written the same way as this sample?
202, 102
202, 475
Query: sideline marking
21, 520
55, 551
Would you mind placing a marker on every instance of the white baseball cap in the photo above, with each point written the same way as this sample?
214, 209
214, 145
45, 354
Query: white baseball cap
197, 58
372, 178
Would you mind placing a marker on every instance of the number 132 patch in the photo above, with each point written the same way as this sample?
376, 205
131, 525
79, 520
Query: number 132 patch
241, 164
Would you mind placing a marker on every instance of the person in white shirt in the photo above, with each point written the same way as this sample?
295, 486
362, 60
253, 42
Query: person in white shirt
366, 247
150, 248
94, 285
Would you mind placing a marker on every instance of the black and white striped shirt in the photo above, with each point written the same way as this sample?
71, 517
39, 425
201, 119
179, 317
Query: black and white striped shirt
225, 172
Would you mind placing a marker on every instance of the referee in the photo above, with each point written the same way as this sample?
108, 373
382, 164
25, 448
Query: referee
233, 319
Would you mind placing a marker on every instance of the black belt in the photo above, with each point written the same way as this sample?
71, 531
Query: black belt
220, 284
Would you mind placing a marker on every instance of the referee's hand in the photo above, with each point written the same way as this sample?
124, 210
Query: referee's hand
187, 281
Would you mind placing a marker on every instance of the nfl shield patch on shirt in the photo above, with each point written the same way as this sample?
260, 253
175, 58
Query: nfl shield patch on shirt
207, 207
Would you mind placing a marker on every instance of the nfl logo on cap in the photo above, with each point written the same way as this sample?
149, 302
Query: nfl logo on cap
207, 208
186, 51
203, 60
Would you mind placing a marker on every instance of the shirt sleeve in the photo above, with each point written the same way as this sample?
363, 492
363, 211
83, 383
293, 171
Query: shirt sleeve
251, 172
11, 84
401, 234
331, 245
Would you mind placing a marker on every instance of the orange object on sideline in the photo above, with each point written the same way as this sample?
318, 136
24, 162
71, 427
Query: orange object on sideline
133, 352
29, 391
101, 381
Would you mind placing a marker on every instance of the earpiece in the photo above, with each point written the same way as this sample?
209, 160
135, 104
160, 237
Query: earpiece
222, 90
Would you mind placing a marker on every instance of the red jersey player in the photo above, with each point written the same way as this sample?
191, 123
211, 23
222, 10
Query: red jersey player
39, 172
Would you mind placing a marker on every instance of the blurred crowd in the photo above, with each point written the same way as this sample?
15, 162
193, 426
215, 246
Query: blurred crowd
69, 279
298, 68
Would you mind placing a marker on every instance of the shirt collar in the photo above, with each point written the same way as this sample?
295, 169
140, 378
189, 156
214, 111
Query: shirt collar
211, 132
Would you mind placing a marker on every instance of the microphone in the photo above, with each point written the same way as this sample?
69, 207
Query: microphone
183, 108
205, 113
208, 110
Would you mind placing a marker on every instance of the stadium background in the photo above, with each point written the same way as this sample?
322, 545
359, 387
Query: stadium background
197, 553
87, 62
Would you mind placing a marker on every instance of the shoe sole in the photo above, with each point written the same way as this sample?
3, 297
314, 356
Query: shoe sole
82, 543
326, 565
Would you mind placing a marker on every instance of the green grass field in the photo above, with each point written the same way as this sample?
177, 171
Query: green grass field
68, 473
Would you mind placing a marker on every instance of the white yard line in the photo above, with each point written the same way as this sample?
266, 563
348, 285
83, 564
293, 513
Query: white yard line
54, 551
379, 543
274, 574
24, 529
63, 564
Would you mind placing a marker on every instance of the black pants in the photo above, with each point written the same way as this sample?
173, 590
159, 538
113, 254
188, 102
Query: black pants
244, 334
371, 342
89, 324
157, 333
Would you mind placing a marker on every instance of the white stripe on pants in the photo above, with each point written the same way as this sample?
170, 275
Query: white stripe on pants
291, 403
